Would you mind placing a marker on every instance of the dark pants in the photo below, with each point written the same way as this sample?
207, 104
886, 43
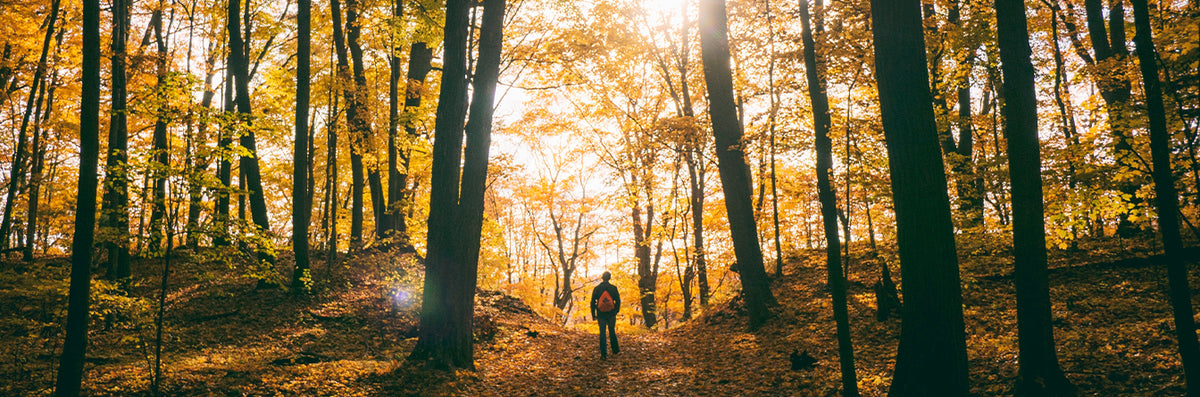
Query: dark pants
608, 324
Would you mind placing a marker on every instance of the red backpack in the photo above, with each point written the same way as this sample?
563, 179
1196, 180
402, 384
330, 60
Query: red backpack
605, 304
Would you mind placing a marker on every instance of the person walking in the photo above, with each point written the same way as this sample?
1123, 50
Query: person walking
606, 302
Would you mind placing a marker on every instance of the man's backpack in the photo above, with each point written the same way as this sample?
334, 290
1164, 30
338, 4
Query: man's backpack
605, 304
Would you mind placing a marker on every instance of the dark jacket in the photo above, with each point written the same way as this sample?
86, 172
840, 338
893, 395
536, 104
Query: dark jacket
612, 291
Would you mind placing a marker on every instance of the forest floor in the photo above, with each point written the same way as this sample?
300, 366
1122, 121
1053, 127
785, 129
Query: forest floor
225, 338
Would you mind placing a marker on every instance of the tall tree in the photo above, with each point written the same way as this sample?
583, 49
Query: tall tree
115, 223
824, 147
932, 357
456, 219
1167, 199
359, 122
248, 162
1039, 373
301, 200
395, 188
731, 160
70, 369
160, 155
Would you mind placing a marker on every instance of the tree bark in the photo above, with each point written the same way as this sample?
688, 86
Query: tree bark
301, 199
932, 356
1167, 199
70, 370
456, 221
1039, 373
731, 161
827, 196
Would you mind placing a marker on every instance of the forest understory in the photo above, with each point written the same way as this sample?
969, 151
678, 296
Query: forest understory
223, 337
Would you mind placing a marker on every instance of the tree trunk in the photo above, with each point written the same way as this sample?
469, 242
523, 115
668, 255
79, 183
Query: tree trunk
378, 204
455, 221
359, 123
115, 223
395, 186
731, 161
301, 199
1168, 201
225, 167
160, 155
932, 356
70, 370
1039, 373
248, 163
827, 196
647, 277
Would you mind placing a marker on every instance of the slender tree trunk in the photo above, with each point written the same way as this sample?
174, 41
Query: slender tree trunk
824, 148
932, 356
70, 370
225, 167
1167, 199
160, 156
771, 131
358, 120
731, 160
694, 157
456, 221
35, 173
395, 186
1039, 373
301, 199
115, 224
248, 163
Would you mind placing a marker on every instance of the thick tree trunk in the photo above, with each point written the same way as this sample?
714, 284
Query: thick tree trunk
114, 229
301, 199
827, 196
1167, 199
932, 356
456, 221
70, 370
731, 160
1039, 373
